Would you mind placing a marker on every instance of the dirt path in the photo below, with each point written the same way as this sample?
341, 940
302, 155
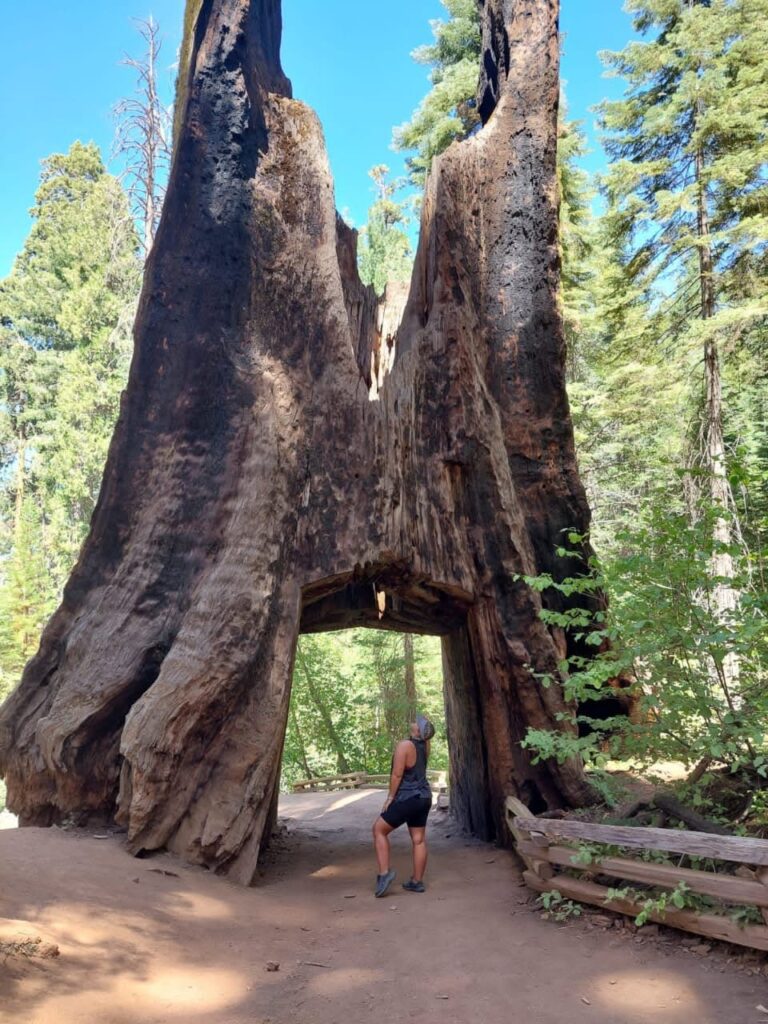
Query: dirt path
155, 942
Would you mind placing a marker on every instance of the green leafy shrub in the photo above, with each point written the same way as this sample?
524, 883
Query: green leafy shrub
668, 636
557, 908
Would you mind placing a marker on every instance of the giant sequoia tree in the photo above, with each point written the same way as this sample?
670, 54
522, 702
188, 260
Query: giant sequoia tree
253, 490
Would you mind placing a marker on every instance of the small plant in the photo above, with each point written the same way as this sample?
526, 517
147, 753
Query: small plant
680, 897
658, 904
651, 856
624, 892
587, 854
742, 916
609, 789
557, 908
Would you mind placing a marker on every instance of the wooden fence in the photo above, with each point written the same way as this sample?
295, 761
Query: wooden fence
359, 780
749, 888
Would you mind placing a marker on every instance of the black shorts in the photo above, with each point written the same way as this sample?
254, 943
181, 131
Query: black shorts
412, 812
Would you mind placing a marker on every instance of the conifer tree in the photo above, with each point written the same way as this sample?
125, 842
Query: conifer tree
65, 319
686, 206
384, 249
577, 229
25, 598
448, 110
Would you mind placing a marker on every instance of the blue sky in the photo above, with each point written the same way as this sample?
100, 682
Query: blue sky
61, 75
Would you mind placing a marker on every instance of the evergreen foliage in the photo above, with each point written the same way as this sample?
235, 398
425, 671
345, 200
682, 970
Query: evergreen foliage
685, 224
670, 352
384, 249
448, 110
349, 704
664, 295
26, 597
65, 318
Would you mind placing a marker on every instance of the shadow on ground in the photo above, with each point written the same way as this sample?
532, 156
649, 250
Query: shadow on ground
158, 942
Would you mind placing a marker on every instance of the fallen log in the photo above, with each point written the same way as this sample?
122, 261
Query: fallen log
675, 809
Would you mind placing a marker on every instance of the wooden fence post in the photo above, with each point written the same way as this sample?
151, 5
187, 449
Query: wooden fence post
539, 866
762, 876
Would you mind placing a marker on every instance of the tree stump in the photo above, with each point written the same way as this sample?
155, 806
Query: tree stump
266, 477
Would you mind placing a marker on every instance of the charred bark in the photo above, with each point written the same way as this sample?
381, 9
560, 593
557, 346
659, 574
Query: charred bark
253, 489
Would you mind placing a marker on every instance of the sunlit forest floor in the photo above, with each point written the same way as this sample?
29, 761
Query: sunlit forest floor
159, 941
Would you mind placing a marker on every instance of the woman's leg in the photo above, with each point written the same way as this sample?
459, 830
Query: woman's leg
381, 832
419, 840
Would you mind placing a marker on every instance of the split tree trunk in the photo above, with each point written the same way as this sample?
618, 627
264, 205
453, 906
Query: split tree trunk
254, 490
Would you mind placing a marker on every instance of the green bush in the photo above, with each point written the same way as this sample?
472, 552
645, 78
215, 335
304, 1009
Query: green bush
669, 637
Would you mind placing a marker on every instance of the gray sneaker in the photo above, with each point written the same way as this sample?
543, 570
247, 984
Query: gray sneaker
383, 882
414, 886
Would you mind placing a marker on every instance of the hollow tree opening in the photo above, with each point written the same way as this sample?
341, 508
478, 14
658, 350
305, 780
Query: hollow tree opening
354, 694
388, 595
248, 461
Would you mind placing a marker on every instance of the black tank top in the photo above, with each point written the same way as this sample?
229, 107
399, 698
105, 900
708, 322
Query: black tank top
415, 782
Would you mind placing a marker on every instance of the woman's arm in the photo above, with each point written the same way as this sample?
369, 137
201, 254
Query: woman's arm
398, 770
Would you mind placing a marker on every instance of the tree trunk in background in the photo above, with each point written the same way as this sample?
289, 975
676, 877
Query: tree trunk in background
390, 692
308, 773
143, 134
724, 594
325, 716
409, 678
21, 480
253, 490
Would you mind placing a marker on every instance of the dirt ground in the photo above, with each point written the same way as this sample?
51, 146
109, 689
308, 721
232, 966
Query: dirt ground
153, 941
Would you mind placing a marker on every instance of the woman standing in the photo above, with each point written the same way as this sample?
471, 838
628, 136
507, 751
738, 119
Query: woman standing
408, 802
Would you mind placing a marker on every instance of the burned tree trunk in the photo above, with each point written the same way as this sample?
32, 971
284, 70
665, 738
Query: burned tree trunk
254, 490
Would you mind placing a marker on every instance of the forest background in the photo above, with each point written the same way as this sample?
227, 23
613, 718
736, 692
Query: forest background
664, 298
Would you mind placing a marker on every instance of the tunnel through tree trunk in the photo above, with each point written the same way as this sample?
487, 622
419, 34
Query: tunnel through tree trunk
249, 461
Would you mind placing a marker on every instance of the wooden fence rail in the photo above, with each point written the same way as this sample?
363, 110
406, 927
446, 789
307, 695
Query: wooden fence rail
532, 840
358, 780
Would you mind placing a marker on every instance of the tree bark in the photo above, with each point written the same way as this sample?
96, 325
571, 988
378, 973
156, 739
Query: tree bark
409, 677
724, 595
254, 490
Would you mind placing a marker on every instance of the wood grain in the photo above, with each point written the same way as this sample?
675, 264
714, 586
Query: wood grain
294, 453
695, 844
710, 925
725, 887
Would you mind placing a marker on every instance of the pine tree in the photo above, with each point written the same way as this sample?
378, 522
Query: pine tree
65, 318
576, 234
25, 596
79, 265
686, 210
384, 249
686, 193
448, 110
